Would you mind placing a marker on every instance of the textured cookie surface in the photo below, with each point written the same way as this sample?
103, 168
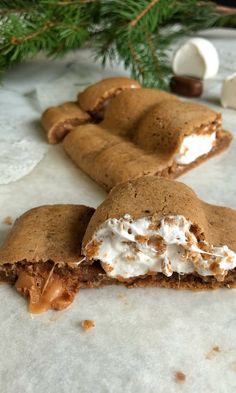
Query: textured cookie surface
157, 232
127, 109
92, 98
153, 196
146, 132
58, 121
164, 127
47, 233
110, 159
43, 249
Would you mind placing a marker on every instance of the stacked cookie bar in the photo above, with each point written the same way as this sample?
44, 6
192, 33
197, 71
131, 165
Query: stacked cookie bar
135, 132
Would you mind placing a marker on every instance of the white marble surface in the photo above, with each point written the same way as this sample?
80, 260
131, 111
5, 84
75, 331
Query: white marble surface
142, 337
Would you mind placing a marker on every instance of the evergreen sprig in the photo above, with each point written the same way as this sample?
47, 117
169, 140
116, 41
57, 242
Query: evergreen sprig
138, 33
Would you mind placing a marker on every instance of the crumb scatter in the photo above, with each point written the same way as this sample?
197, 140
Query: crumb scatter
180, 377
8, 220
88, 324
213, 352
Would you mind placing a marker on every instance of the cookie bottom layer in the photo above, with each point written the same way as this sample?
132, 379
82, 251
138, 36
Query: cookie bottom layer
52, 287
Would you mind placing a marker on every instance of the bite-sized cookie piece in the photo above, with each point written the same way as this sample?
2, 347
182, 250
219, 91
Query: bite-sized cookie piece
41, 256
126, 110
57, 121
155, 231
183, 130
97, 96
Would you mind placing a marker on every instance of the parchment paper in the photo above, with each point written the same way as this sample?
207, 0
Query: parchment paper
142, 337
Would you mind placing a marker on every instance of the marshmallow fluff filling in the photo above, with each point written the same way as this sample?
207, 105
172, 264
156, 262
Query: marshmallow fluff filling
194, 146
129, 248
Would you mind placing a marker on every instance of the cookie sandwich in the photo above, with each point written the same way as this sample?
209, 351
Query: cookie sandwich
150, 232
41, 256
146, 132
157, 232
58, 121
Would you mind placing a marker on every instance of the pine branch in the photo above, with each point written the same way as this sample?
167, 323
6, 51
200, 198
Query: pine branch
43, 26
143, 12
137, 32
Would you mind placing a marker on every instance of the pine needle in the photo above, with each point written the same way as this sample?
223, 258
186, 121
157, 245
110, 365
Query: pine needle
138, 33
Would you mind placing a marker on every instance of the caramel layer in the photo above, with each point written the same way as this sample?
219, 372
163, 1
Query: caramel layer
57, 290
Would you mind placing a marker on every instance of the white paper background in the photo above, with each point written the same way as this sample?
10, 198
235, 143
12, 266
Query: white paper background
142, 336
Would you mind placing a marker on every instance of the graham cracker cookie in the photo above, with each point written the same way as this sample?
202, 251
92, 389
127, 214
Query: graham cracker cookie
154, 231
96, 96
59, 120
170, 138
42, 257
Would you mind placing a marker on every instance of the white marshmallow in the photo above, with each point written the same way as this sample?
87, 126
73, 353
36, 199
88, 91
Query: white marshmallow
197, 58
194, 146
228, 92
125, 249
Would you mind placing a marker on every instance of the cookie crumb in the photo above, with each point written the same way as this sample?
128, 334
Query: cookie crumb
88, 324
8, 220
180, 377
213, 352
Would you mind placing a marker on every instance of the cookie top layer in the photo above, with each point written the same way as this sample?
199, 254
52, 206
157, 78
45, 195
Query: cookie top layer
52, 232
110, 159
163, 128
126, 110
158, 197
92, 98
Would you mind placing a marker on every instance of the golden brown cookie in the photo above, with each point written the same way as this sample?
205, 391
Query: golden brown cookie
148, 232
42, 256
95, 97
110, 159
164, 127
126, 110
59, 120
154, 231
160, 144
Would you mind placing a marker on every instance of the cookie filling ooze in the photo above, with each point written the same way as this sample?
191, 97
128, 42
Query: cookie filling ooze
129, 248
198, 143
194, 146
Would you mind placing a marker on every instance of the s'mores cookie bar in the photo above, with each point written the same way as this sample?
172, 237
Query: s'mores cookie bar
126, 110
96, 97
148, 232
187, 133
41, 256
57, 121
169, 138
157, 232
111, 159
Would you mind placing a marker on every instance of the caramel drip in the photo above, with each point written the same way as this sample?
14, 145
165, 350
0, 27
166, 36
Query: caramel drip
53, 291
43, 294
